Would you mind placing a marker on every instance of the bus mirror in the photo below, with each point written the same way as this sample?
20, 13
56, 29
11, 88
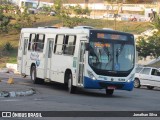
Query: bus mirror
87, 46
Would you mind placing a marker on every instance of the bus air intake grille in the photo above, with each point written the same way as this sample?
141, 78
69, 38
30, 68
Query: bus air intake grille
105, 85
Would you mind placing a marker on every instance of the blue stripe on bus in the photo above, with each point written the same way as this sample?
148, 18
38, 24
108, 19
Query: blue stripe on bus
95, 84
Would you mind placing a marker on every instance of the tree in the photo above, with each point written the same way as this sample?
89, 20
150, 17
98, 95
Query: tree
156, 22
143, 47
149, 45
4, 21
23, 19
154, 45
63, 13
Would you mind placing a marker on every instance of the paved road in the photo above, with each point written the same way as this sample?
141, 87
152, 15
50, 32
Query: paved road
54, 97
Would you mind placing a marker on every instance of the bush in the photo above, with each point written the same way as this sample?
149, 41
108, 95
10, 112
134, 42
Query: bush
7, 47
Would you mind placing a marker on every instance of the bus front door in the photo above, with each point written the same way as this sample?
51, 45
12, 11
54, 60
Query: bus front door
81, 63
48, 60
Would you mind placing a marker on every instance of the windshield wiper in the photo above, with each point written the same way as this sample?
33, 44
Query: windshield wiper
119, 51
93, 53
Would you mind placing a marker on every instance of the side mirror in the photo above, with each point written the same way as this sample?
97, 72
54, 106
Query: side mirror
87, 46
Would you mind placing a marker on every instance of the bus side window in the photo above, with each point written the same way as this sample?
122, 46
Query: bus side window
32, 40
69, 45
59, 44
39, 44
25, 46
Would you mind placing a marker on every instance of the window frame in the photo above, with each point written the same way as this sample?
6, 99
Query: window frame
38, 42
55, 45
145, 73
33, 42
66, 45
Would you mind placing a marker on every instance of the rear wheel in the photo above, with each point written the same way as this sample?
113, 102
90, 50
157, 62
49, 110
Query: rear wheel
71, 88
150, 87
136, 83
34, 76
109, 91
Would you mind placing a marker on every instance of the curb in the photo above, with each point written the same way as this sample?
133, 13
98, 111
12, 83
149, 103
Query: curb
16, 94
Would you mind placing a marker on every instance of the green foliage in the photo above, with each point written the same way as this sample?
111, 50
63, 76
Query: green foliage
71, 22
23, 19
142, 47
149, 46
79, 11
7, 47
7, 14
58, 6
4, 22
46, 8
63, 13
156, 23
125, 1
154, 43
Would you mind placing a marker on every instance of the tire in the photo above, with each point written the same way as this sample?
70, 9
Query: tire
34, 76
109, 92
71, 88
137, 83
150, 87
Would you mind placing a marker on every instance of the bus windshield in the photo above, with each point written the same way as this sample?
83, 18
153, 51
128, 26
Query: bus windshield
111, 56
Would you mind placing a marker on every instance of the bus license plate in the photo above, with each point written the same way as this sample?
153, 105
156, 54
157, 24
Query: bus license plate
111, 87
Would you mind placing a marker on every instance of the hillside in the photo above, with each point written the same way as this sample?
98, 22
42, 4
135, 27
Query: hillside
156, 64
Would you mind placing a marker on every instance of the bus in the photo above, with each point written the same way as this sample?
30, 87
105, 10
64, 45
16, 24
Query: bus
86, 58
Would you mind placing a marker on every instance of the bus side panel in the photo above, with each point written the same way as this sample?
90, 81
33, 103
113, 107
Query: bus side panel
61, 64
35, 58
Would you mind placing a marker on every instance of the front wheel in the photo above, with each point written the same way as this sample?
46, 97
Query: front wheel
109, 91
137, 83
71, 88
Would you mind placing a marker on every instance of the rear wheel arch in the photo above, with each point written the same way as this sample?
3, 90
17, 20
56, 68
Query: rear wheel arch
68, 80
33, 73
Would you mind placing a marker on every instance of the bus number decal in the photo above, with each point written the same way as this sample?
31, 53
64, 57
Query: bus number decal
35, 56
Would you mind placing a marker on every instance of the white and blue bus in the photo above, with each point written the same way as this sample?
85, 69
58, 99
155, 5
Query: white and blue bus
86, 58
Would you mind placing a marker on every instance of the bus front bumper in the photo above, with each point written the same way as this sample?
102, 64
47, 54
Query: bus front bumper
99, 84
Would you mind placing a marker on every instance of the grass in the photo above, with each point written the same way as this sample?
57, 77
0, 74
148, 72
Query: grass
156, 65
13, 36
125, 26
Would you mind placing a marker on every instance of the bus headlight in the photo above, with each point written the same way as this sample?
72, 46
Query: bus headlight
131, 78
90, 74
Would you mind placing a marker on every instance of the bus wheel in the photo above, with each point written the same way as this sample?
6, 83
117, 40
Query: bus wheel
136, 83
71, 88
34, 75
109, 92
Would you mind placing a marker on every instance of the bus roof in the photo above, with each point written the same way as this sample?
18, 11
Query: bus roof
67, 30
54, 30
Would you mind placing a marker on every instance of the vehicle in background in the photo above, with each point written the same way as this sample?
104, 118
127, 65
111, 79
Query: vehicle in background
111, 16
32, 11
52, 13
147, 76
